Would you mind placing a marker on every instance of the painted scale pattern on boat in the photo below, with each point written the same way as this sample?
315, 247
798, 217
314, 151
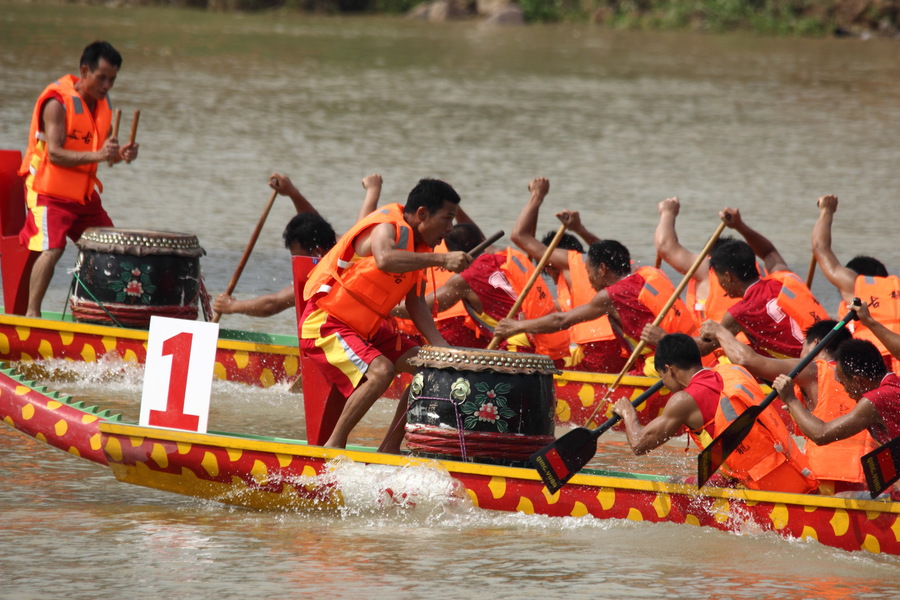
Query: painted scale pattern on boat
53, 418
242, 362
238, 471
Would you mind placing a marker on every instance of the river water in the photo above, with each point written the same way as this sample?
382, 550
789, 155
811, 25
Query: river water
617, 121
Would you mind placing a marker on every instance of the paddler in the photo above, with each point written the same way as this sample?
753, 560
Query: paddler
862, 372
632, 300
306, 234
837, 465
595, 347
862, 277
351, 292
773, 311
71, 133
704, 401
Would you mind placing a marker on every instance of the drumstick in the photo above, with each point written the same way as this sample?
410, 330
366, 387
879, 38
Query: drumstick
115, 132
477, 250
134, 124
495, 341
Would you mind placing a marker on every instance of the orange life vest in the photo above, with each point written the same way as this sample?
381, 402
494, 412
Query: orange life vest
882, 296
797, 301
582, 292
655, 294
353, 289
840, 460
537, 303
85, 132
716, 303
768, 458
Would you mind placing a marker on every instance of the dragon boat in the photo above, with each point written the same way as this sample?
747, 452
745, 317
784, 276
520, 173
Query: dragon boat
266, 473
123, 277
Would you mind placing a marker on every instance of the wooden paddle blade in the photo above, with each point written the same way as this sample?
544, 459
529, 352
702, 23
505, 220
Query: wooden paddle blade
882, 467
713, 456
558, 461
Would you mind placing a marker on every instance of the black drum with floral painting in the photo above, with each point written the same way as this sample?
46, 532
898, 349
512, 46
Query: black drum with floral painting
489, 406
125, 276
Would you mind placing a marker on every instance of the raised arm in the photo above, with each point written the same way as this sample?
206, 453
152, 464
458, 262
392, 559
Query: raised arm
668, 247
523, 233
841, 277
572, 220
887, 337
283, 185
760, 244
372, 185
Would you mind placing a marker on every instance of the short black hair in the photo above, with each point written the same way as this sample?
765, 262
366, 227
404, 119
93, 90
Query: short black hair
860, 358
311, 231
676, 349
95, 51
463, 238
566, 242
735, 257
818, 330
430, 194
612, 254
866, 265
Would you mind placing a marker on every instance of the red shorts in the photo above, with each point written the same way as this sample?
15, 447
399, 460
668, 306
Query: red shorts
50, 220
341, 353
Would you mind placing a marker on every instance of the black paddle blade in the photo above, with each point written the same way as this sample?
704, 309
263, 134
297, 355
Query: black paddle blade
713, 456
882, 467
558, 461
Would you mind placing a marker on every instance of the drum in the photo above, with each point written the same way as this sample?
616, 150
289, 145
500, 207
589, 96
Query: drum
488, 406
125, 276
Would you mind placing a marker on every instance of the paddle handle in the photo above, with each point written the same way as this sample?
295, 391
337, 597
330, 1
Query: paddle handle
850, 316
611, 422
811, 272
134, 126
662, 314
495, 341
477, 250
115, 131
240, 268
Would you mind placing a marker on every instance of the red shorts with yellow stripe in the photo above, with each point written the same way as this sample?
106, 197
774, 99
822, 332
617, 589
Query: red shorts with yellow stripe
340, 352
50, 220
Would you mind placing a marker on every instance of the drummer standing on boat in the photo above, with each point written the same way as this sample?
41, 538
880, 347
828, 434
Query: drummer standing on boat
70, 135
351, 292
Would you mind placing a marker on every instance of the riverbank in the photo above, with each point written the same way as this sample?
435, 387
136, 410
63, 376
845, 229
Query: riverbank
805, 18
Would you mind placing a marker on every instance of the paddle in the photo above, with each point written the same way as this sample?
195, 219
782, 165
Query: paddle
882, 467
641, 344
713, 456
495, 341
558, 461
811, 272
115, 132
250, 244
134, 125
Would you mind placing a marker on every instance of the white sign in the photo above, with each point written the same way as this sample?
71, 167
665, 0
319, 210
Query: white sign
178, 375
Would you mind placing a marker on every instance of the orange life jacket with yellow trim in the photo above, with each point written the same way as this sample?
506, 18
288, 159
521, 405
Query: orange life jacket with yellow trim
797, 301
85, 132
882, 297
768, 458
840, 460
582, 292
352, 288
538, 302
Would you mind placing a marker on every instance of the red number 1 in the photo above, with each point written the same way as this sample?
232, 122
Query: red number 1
179, 348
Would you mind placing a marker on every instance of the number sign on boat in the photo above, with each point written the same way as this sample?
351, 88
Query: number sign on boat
178, 377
